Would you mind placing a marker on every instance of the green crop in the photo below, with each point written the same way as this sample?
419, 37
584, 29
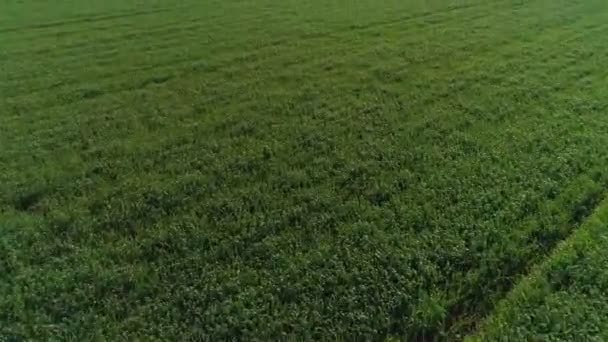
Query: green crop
277, 168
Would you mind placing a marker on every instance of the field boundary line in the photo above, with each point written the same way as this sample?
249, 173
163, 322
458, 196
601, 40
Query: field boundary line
599, 216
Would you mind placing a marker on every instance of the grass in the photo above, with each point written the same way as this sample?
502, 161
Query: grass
320, 169
563, 299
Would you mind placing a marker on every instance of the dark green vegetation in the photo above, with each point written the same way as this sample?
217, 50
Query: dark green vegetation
565, 298
267, 168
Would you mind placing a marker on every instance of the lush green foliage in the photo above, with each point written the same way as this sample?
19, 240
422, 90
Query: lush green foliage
564, 298
260, 168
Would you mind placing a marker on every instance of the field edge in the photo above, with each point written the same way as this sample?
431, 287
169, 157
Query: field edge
523, 312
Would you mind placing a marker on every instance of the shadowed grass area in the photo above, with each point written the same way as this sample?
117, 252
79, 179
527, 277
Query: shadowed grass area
235, 169
563, 298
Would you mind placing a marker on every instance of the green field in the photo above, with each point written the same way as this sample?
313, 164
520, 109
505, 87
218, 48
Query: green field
324, 170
